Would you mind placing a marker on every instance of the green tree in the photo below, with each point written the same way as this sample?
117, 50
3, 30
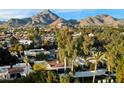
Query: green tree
52, 77
65, 78
97, 56
21, 49
26, 61
120, 69
40, 67
67, 48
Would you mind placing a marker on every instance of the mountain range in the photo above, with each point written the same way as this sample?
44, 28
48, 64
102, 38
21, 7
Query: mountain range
48, 18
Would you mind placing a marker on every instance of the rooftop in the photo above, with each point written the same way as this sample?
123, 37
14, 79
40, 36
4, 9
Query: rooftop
15, 70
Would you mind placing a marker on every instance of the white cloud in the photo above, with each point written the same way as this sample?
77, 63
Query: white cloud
6, 14
74, 10
67, 10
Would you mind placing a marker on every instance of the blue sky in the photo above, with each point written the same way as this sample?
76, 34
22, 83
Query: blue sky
78, 14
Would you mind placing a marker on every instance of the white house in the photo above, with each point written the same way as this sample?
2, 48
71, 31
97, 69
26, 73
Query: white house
18, 70
91, 35
4, 67
25, 42
76, 34
26, 68
4, 74
35, 52
90, 73
80, 74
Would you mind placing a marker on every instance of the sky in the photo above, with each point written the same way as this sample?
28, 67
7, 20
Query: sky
78, 14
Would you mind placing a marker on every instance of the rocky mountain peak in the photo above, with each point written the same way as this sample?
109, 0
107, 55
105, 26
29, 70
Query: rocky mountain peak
102, 19
46, 11
45, 17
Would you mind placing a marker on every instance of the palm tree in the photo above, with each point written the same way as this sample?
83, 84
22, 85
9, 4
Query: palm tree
110, 55
120, 69
20, 49
74, 56
109, 59
26, 61
65, 63
97, 56
63, 41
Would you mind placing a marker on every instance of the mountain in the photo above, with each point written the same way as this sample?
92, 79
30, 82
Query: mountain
14, 22
73, 22
45, 17
58, 22
2, 22
101, 20
48, 18
61, 21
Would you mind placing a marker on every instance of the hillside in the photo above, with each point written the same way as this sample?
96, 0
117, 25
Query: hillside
48, 18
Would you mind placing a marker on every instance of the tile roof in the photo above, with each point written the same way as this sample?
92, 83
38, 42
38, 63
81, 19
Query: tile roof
55, 64
15, 70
